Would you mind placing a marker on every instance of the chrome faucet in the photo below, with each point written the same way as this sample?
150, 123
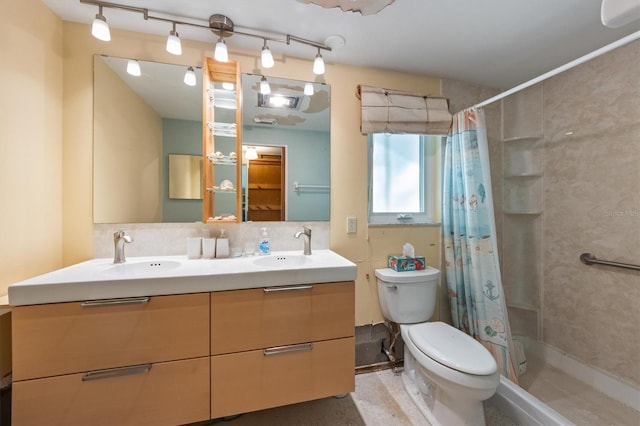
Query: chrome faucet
119, 238
307, 239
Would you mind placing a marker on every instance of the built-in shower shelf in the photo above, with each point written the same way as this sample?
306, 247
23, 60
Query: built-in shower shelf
523, 139
526, 175
522, 212
524, 307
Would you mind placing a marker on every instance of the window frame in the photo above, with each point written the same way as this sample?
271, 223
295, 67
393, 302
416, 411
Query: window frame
431, 148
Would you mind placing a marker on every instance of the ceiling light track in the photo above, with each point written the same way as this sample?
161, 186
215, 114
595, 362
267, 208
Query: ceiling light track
219, 24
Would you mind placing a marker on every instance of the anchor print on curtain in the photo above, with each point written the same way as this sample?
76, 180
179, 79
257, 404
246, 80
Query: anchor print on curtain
471, 259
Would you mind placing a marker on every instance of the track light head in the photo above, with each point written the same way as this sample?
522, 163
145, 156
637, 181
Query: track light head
308, 89
265, 89
174, 45
133, 68
318, 64
266, 56
190, 77
100, 28
221, 54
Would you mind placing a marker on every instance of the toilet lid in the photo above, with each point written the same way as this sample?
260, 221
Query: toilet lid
389, 275
453, 348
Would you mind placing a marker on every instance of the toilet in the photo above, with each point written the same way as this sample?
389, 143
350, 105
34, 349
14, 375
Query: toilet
447, 373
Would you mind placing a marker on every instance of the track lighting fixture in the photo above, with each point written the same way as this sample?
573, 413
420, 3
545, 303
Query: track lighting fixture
220, 53
100, 28
190, 77
220, 25
133, 68
174, 46
266, 56
265, 89
318, 64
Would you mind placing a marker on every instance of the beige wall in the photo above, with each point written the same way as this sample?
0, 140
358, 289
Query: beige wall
128, 133
30, 141
348, 149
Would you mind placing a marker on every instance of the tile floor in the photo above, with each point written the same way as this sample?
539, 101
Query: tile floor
383, 401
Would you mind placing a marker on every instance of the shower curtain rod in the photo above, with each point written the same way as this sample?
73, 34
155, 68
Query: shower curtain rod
621, 42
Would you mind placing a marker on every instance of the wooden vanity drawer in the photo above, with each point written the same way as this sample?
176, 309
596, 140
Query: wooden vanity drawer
73, 337
259, 318
250, 381
168, 393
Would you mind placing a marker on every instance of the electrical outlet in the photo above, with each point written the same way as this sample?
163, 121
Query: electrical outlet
352, 225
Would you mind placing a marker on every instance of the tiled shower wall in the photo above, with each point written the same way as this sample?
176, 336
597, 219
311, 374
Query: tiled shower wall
578, 191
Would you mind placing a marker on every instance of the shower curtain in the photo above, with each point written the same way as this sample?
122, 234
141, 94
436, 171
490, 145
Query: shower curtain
471, 259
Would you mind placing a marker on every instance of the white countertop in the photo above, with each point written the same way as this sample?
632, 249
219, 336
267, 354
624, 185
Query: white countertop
163, 275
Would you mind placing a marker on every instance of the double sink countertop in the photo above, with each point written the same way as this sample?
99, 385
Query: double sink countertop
164, 275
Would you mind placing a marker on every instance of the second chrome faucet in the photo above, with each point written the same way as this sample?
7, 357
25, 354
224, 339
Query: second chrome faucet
306, 236
119, 239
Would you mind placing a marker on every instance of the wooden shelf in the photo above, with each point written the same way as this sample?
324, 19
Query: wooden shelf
220, 136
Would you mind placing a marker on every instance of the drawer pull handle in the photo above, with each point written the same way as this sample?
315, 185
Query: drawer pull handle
287, 288
279, 350
116, 372
116, 302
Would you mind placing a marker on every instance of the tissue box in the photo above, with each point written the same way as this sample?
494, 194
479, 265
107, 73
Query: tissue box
401, 264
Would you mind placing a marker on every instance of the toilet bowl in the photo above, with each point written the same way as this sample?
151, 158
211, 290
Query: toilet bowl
447, 373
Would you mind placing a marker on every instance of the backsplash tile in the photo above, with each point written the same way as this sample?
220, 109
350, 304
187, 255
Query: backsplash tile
166, 239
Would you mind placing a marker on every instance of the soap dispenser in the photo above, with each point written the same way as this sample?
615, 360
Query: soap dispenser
222, 245
264, 244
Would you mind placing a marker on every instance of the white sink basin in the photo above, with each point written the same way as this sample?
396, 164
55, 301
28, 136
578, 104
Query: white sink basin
148, 267
283, 261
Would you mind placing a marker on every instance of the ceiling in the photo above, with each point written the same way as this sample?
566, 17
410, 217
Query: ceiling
496, 43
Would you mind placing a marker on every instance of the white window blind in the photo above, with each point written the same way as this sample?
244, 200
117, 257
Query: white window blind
392, 111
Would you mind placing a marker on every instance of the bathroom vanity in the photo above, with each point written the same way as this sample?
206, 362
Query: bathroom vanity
171, 341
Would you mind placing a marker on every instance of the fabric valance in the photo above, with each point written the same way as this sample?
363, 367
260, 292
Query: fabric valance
391, 111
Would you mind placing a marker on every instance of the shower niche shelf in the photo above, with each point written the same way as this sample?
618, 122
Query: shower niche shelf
513, 212
517, 139
522, 195
523, 159
525, 176
522, 207
523, 306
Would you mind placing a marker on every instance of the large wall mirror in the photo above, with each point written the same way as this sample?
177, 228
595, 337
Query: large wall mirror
139, 122
285, 138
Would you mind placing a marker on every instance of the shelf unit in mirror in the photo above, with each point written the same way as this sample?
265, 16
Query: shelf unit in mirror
221, 142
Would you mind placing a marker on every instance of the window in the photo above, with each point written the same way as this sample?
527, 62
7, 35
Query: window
404, 178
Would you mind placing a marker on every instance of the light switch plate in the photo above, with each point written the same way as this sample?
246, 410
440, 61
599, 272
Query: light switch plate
352, 225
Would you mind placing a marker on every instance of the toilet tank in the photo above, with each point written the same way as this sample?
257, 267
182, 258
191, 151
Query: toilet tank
407, 297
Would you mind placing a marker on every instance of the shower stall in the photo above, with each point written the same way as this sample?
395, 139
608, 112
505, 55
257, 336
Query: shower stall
565, 167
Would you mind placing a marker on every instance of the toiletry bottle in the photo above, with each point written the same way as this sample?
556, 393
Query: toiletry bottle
264, 244
222, 245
